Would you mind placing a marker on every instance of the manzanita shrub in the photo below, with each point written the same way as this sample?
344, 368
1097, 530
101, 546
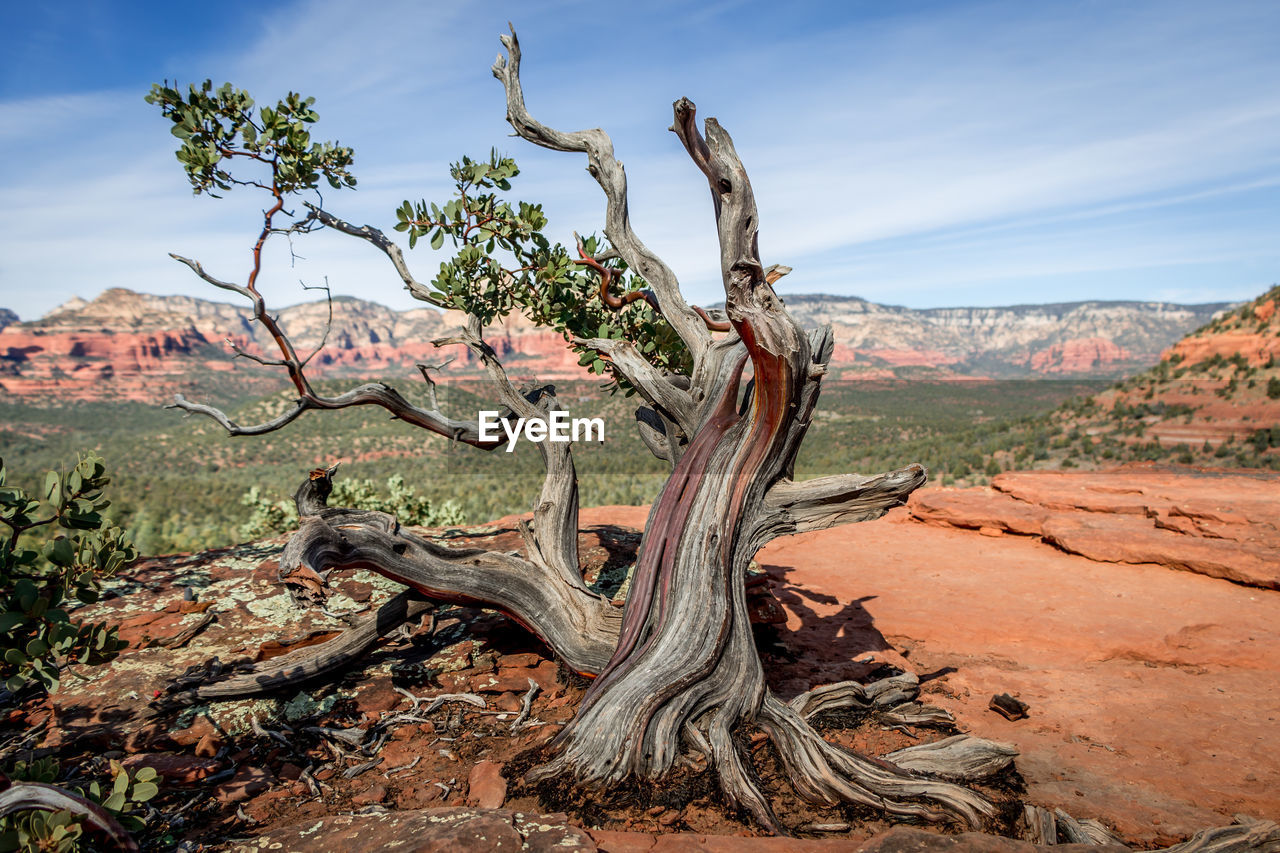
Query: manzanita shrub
56, 553
504, 262
268, 516
64, 831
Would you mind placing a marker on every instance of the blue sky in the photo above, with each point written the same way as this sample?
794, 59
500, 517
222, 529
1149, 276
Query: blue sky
924, 154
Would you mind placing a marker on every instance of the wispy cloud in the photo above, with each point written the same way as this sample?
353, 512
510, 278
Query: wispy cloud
975, 153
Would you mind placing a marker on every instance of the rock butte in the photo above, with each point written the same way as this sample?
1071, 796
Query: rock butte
134, 346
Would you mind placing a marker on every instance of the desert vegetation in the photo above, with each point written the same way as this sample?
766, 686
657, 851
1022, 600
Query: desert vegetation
722, 412
724, 401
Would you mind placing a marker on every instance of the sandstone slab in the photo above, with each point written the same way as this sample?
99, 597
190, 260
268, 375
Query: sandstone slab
1224, 524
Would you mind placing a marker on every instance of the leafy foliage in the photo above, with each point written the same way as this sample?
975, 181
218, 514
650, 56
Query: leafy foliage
217, 125
63, 831
267, 517
504, 262
502, 259
58, 551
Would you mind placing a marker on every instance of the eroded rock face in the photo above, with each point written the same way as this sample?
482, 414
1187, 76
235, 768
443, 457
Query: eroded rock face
1223, 524
134, 346
1080, 356
1250, 334
126, 345
1216, 390
1140, 681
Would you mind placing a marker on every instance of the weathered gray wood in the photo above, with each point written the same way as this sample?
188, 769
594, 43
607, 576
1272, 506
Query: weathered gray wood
963, 757
580, 626
1259, 837
1039, 827
611, 177
1098, 833
1069, 829
686, 658
916, 714
885, 693
324, 658
825, 773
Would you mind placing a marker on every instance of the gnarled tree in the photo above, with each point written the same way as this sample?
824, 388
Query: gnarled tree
726, 402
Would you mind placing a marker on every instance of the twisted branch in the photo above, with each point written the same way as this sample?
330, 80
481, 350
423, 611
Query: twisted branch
609, 174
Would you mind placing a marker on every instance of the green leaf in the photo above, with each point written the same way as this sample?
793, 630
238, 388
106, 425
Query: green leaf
437, 239
59, 552
143, 791
52, 486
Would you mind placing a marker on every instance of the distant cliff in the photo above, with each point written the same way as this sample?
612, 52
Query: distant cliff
127, 345
1076, 339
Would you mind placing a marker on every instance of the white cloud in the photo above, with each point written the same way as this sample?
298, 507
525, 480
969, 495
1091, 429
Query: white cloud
942, 157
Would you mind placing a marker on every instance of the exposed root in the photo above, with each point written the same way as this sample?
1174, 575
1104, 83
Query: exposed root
824, 773
735, 781
960, 757
330, 656
885, 693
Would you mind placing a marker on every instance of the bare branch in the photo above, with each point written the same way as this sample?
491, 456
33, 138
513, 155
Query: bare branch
241, 352
652, 384
200, 271
328, 323
791, 507
305, 664
232, 428
382, 242
431, 383
371, 394
580, 626
611, 177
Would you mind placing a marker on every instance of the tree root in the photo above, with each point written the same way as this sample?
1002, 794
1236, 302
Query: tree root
824, 773
330, 656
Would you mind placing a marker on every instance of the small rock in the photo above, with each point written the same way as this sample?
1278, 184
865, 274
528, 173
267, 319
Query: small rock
375, 794
194, 606
200, 727
508, 701
209, 745
527, 659
175, 769
1008, 707
247, 782
378, 696
485, 786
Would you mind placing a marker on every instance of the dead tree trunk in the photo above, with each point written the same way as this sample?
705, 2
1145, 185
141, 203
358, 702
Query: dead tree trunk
686, 672
678, 669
